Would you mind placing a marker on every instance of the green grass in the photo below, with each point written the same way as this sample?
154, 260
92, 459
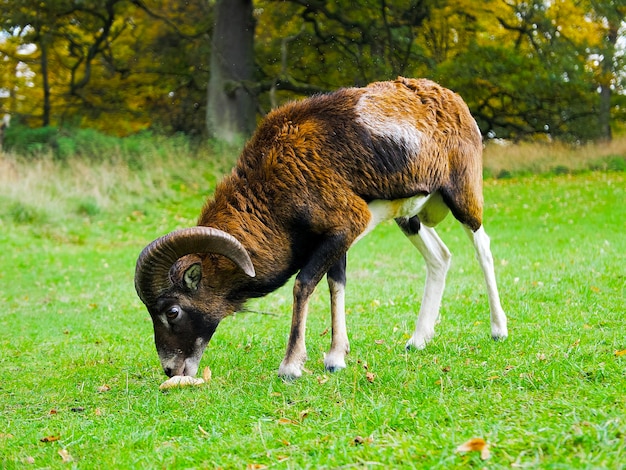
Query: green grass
551, 396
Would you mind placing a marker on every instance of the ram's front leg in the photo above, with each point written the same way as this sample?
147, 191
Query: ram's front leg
340, 346
327, 254
295, 357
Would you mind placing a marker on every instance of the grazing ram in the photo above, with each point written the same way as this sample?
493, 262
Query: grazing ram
317, 176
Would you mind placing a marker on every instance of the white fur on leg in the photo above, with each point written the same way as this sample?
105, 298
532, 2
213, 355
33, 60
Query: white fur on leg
485, 259
291, 370
437, 257
339, 347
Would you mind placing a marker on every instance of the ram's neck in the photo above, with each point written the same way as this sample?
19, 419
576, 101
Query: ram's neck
237, 210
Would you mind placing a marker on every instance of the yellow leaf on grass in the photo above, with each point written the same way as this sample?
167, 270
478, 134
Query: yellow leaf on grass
476, 444
286, 421
207, 374
620, 353
65, 455
322, 379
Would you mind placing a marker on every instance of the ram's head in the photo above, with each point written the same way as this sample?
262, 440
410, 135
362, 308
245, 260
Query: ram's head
188, 290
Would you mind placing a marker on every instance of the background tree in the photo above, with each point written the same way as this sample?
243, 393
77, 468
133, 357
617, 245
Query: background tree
231, 105
528, 68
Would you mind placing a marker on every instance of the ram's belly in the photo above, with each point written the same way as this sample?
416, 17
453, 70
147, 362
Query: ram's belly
381, 210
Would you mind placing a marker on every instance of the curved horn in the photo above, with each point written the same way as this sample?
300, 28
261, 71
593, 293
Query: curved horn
156, 259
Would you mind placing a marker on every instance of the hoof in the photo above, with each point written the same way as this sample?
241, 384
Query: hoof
499, 333
334, 362
418, 342
334, 368
289, 372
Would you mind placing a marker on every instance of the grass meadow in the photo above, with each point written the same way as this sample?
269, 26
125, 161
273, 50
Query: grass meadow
79, 373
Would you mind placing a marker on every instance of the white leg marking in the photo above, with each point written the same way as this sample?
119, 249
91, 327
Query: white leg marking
437, 258
339, 347
485, 259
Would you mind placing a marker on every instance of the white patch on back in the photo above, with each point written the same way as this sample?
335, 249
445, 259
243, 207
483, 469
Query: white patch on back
388, 122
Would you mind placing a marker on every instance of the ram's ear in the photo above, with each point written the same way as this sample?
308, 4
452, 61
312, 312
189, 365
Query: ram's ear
186, 273
193, 276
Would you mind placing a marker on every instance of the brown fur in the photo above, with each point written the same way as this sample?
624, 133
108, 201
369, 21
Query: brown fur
309, 170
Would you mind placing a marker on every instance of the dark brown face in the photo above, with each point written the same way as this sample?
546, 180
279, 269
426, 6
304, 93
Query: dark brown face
181, 334
186, 280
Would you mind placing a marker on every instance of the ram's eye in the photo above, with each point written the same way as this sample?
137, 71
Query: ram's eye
173, 312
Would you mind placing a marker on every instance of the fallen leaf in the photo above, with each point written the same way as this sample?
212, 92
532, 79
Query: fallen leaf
370, 376
50, 438
476, 444
359, 440
255, 466
180, 381
541, 356
379, 341
98, 412
65, 455
286, 421
322, 379
207, 374
445, 369
103, 388
620, 353
53, 411
324, 333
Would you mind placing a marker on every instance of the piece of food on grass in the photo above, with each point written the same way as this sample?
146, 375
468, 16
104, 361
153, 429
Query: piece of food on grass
180, 381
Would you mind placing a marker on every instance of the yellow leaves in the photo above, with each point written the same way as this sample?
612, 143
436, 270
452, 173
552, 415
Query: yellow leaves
322, 379
65, 456
476, 444
286, 421
620, 353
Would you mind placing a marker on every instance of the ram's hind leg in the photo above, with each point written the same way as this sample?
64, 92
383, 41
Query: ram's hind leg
340, 346
485, 259
437, 257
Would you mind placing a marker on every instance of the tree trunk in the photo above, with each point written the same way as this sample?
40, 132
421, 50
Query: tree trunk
231, 104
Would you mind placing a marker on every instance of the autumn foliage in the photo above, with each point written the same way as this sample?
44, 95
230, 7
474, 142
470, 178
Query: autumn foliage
528, 69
